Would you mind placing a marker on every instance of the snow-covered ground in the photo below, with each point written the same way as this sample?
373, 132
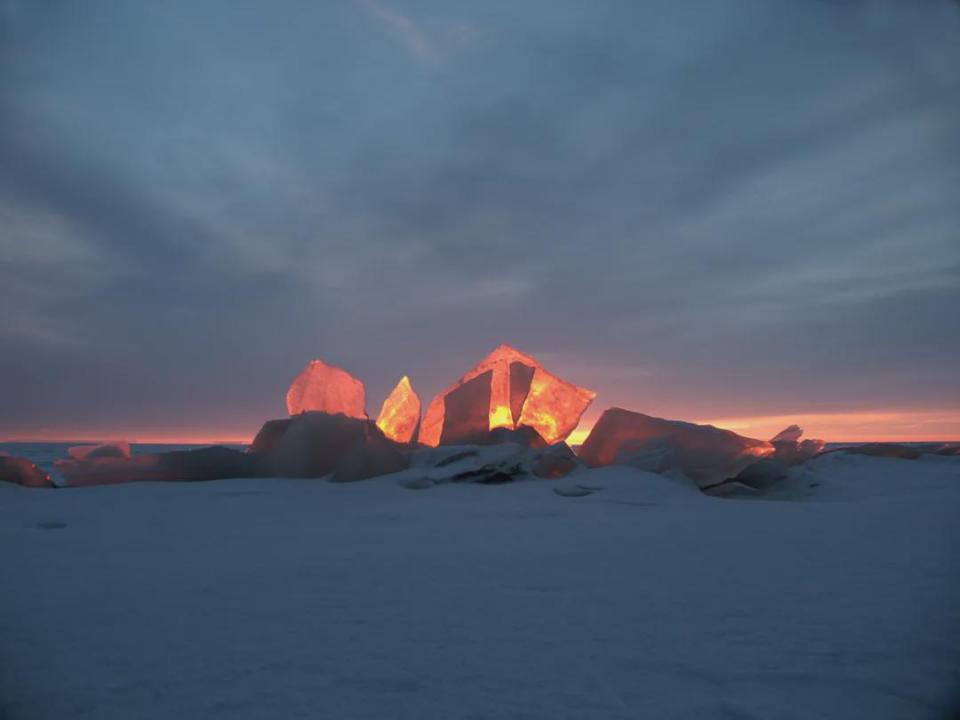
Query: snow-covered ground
305, 599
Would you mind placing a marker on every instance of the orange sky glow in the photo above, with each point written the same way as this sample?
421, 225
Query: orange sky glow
875, 426
872, 426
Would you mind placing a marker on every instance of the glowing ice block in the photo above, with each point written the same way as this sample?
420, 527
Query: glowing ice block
328, 389
399, 416
519, 392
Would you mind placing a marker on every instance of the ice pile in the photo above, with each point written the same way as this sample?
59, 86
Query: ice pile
508, 400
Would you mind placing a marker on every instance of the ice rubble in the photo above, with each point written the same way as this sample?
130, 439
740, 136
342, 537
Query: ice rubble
493, 464
22, 472
311, 444
210, 463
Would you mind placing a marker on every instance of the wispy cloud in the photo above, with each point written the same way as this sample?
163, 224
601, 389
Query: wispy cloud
409, 33
429, 43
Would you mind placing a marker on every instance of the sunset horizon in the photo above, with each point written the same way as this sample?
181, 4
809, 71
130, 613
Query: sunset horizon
833, 427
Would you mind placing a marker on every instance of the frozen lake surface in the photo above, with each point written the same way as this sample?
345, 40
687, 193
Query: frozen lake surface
305, 599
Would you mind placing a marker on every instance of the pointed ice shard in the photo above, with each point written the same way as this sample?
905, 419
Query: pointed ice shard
789, 434
399, 417
553, 406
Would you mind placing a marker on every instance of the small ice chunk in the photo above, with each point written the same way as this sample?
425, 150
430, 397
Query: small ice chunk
115, 449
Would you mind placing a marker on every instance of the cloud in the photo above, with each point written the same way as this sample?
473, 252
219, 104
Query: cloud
429, 43
408, 33
699, 212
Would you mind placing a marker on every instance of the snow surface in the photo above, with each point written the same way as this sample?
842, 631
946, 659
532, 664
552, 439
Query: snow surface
308, 599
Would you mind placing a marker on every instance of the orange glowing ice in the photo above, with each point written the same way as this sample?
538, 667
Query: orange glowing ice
553, 406
400, 414
327, 389
521, 392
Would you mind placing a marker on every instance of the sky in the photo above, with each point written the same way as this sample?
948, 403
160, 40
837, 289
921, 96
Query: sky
743, 212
